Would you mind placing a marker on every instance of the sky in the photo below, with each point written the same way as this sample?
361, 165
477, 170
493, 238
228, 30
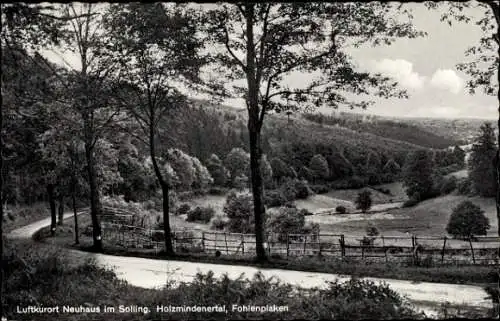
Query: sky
426, 67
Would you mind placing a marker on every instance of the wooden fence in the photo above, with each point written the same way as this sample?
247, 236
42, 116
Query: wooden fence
418, 250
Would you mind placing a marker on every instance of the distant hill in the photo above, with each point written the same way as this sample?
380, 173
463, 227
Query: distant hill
387, 128
459, 129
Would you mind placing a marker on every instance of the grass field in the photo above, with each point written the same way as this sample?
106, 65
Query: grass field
427, 218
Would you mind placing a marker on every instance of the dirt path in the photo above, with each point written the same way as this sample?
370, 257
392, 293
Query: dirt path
150, 273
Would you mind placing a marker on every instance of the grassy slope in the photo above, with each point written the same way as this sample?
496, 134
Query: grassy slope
428, 218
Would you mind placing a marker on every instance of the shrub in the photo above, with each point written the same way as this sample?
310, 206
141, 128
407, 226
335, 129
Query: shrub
289, 190
364, 201
464, 186
201, 214
448, 185
356, 182
218, 222
183, 209
467, 220
372, 230
306, 212
287, 220
302, 189
411, 202
340, 209
274, 198
239, 210
320, 188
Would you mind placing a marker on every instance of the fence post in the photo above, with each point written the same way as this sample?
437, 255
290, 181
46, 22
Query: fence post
444, 248
287, 245
342, 245
242, 244
305, 243
472, 250
385, 250
225, 240
319, 244
203, 240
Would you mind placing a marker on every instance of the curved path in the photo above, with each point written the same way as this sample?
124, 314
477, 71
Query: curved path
151, 273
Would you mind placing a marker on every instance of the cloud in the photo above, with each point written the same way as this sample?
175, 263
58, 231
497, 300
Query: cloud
447, 79
401, 70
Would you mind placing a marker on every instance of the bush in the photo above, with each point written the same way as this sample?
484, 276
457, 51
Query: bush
274, 198
287, 220
372, 230
306, 212
320, 188
464, 186
467, 220
302, 189
218, 222
289, 190
183, 209
239, 210
340, 209
200, 214
448, 185
411, 202
364, 201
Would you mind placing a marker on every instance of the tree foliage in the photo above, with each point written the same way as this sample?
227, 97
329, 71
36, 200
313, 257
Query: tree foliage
216, 168
418, 174
467, 220
237, 162
364, 201
482, 169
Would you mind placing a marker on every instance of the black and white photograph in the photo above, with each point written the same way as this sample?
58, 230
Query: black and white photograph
250, 160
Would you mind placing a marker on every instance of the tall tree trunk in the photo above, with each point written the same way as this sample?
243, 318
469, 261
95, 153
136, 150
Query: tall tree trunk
1, 190
73, 203
257, 192
169, 249
254, 129
94, 198
52, 204
60, 211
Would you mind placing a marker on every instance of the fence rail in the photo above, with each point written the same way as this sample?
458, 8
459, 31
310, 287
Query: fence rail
415, 249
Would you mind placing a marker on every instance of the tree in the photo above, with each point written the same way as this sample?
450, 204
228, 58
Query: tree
237, 162
183, 166
202, 175
364, 201
392, 168
264, 42
319, 166
219, 173
239, 210
157, 47
281, 170
286, 220
482, 162
89, 91
467, 220
418, 174
486, 61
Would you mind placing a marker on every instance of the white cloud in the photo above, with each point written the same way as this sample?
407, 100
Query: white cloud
401, 70
447, 79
